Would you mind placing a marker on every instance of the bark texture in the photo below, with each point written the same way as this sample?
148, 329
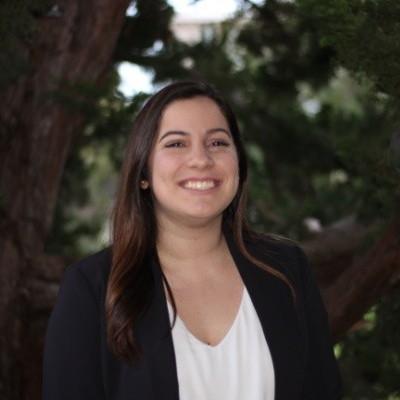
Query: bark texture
352, 273
74, 44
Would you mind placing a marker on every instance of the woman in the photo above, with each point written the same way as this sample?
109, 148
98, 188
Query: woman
188, 303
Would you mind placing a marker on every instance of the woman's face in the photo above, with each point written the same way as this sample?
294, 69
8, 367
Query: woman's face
193, 165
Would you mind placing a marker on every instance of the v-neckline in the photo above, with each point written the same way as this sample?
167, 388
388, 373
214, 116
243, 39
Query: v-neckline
283, 329
228, 333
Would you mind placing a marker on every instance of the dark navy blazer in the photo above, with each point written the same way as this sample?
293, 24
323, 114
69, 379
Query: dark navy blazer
79, 366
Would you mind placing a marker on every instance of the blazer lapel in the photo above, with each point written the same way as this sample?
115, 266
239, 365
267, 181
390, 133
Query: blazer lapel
273, 303
155, 337
272, 300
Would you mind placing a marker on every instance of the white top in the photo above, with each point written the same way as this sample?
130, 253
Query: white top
238, 368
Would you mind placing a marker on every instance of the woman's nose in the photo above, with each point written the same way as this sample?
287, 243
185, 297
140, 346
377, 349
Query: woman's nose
200, 156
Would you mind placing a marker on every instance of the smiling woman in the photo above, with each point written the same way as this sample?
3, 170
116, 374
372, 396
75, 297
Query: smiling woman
193, 166
188, 302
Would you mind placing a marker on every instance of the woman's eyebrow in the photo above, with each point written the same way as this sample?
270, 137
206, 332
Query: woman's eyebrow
184, 133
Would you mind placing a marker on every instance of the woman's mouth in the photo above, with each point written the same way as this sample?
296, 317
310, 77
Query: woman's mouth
200, 185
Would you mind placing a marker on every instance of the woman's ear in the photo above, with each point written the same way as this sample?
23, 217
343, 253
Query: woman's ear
144, 184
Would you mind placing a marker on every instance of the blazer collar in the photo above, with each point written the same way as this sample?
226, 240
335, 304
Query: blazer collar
273, 303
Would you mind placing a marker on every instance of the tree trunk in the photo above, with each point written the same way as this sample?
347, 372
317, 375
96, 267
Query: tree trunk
370, 276
73, 44
352, 278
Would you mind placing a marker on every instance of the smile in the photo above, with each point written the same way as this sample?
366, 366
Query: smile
200, 185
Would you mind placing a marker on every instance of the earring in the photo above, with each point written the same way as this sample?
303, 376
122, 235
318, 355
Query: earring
144, 184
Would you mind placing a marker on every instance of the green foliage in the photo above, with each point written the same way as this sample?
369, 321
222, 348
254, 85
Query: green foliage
370, 356
365, 35
148, 24
325, 163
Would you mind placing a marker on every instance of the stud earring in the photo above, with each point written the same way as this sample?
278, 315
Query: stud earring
144, 184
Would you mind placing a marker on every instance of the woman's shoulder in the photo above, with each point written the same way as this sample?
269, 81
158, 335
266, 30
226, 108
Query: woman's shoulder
92, 271
278, 251
93, 263
271, 243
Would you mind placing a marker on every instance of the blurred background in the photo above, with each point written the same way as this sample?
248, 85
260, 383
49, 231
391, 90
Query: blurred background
316, 88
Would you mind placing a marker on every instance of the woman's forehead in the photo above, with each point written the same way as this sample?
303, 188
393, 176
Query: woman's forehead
195, 112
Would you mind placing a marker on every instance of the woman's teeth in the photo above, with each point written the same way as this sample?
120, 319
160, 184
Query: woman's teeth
199, 185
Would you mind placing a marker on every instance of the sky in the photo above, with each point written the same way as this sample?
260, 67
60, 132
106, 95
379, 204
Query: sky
135, 79
219, 9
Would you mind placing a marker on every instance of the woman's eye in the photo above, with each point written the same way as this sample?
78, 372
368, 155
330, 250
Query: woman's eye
175, 144
218, 143
214, 143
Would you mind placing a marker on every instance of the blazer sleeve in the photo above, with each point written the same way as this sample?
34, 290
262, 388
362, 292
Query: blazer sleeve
322, 376
71, 363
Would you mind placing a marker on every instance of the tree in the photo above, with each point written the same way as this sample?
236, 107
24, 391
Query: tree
69, 44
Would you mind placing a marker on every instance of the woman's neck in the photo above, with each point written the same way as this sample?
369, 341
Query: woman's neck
188, 247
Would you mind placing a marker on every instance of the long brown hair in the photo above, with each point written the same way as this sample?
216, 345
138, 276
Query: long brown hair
134, 229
